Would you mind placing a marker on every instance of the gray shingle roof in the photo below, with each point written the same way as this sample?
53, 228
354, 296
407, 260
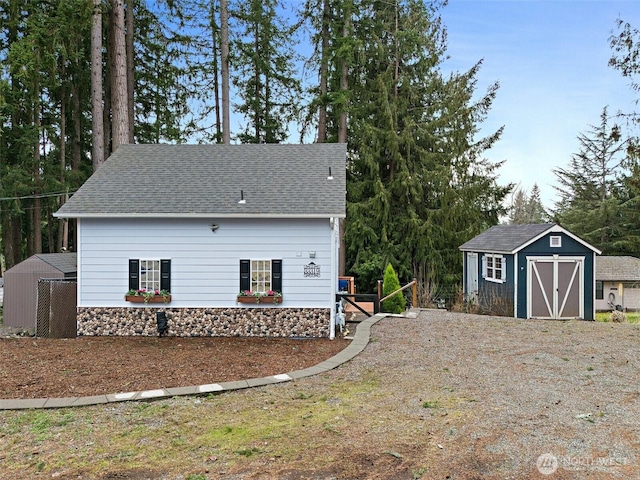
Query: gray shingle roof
64, 262
278, 180
505, 238
617, 268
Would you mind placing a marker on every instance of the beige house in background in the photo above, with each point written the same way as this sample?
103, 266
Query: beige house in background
617, 283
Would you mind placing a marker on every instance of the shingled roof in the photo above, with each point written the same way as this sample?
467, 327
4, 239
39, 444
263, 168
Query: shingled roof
618, 269
276, 180
64, 262
505, 238
512, 238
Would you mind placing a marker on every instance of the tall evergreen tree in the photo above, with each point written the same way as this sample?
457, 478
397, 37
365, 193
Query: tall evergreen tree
224, 65
418, 185
535, 210
589, 188
268, 88
625, 58
97, 125
161, 89
118, 75
526, 208
45, 78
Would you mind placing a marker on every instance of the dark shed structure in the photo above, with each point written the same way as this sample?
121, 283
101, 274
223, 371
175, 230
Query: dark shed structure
21, 285
531, 271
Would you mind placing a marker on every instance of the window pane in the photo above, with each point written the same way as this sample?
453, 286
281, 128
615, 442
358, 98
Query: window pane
599, 290
150, 275
261, 275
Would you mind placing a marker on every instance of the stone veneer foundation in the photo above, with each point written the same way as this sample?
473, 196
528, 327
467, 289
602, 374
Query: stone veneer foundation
205, 322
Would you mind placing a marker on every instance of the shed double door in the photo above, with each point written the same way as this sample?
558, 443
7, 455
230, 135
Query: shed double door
555, 287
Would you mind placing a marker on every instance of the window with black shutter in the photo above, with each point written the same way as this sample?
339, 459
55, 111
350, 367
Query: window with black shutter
150, 275
261, 276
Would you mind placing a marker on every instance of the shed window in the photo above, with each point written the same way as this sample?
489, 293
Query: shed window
599, 290
261, 276
494, 267
555, 241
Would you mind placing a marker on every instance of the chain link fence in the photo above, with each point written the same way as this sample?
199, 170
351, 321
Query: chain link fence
56, 308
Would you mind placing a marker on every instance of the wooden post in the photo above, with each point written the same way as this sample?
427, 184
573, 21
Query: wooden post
415, 294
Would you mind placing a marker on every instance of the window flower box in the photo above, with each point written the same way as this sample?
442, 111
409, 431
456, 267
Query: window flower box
144, 296
256, 297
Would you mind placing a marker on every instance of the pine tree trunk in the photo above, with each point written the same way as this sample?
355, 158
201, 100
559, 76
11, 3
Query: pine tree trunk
76, 139
344, 80
256, 85
342, 135
11, 239
216, 73
224, 65
63, 164
130, 69
119, 97
324, 67
37, 207
97, 120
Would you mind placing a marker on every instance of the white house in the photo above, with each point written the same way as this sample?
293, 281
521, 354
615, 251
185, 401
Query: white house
204, 222
618, 283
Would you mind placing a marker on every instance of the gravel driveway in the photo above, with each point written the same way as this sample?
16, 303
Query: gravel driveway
496, 394
441, 396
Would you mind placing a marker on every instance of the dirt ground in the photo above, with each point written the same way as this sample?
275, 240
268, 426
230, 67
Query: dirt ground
442, 396
85, 366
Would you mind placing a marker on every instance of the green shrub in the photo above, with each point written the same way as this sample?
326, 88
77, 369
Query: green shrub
390, 284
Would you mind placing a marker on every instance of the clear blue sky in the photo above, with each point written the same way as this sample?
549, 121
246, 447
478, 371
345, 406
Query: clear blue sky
550, 57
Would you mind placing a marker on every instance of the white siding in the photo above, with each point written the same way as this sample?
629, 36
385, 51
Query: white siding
205, 265
630, 298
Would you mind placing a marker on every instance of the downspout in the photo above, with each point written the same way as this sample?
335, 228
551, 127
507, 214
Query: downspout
334, 276
79, 289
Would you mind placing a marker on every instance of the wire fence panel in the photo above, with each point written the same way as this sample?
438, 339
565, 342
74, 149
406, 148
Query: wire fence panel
56, 308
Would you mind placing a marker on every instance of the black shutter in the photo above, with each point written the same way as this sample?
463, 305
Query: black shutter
245, 270
165, 275
134, 274
276, 275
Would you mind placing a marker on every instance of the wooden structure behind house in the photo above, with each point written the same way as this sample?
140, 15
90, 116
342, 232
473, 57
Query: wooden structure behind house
530, 271
21, 285
617, 283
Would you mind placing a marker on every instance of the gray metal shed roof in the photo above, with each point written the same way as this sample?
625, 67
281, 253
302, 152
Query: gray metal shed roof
618, 268
505, 238
64, 262
276, 180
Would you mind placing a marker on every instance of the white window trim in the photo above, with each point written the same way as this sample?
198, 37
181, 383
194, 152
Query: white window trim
267, 271
555, 241
502, 269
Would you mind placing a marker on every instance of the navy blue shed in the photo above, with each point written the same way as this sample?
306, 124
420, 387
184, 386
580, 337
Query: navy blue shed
535, 271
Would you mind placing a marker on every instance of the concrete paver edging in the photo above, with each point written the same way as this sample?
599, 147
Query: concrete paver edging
359, 342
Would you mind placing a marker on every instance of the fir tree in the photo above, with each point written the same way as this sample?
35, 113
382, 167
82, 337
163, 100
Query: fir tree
525, 209
390, 283
590, 187
418, 186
